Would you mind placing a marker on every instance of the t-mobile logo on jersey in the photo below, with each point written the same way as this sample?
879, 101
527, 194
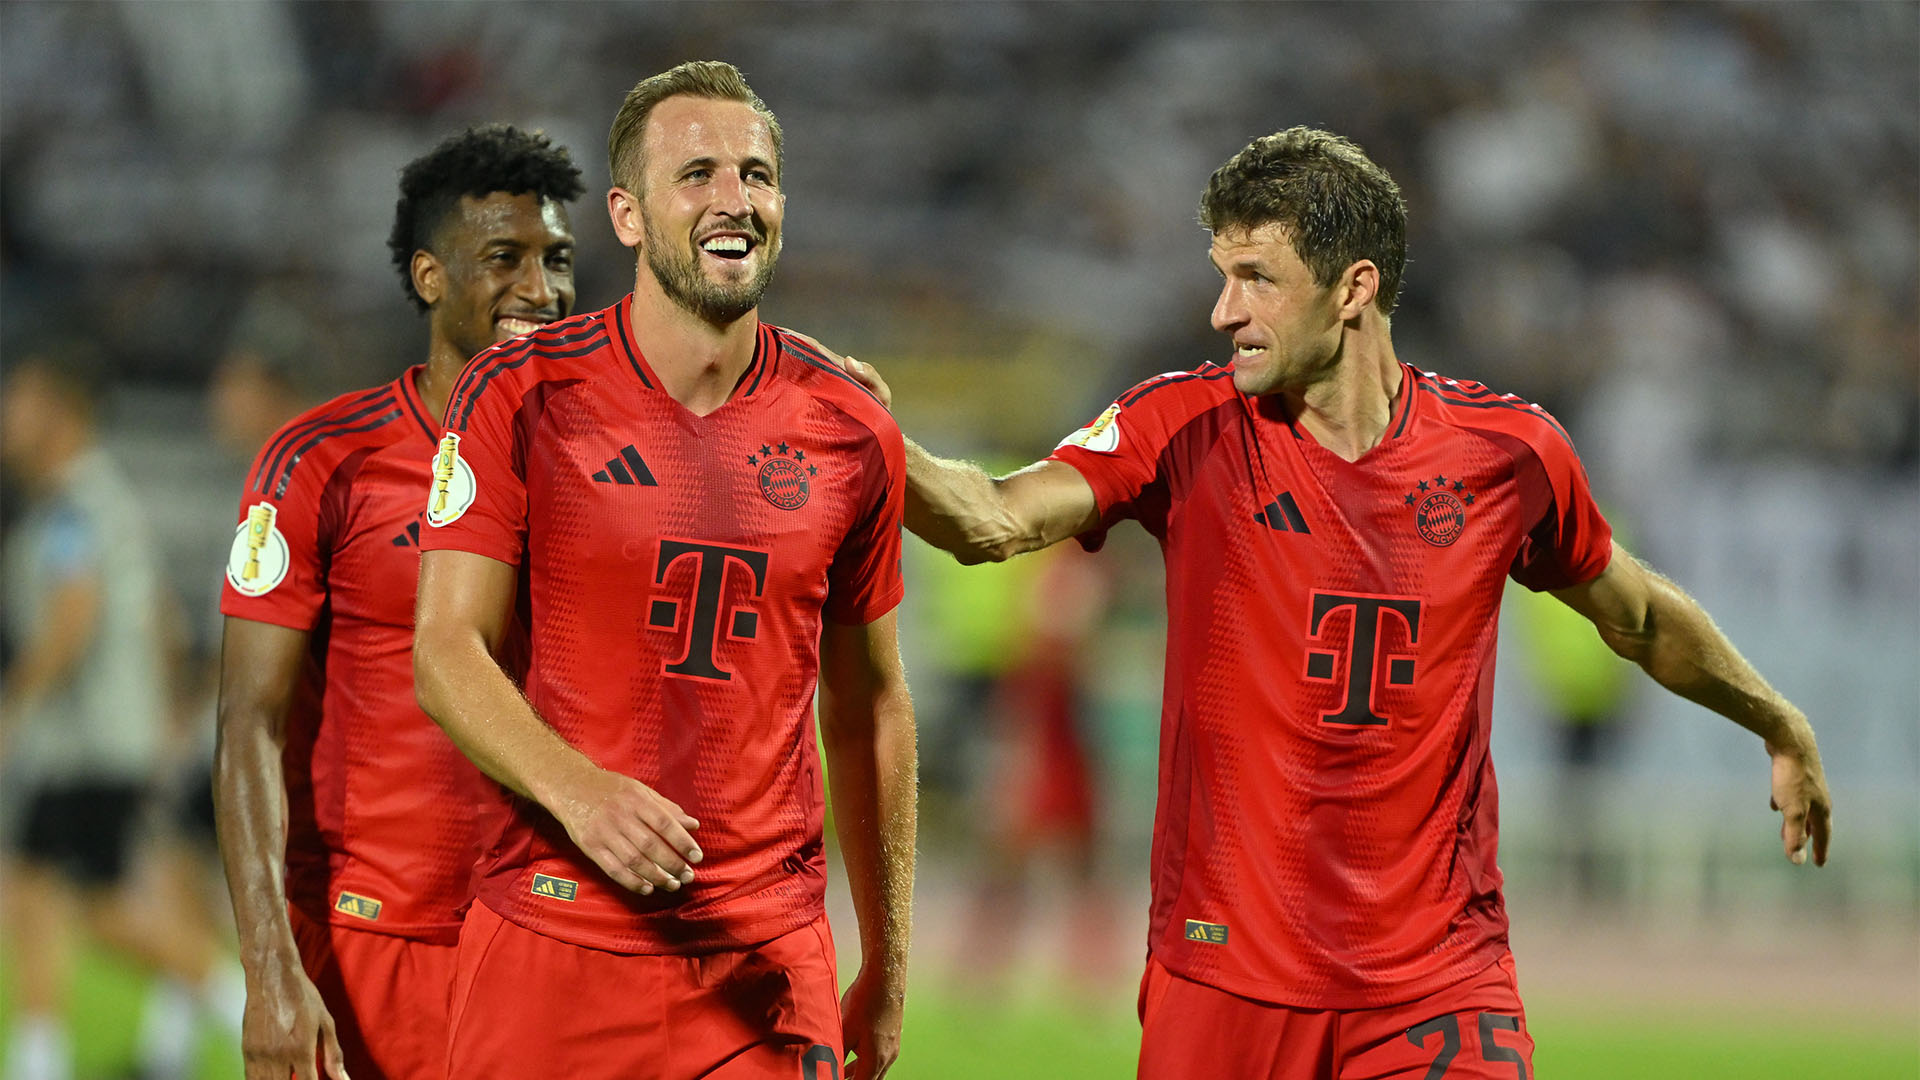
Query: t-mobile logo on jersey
710, 573
1363, 647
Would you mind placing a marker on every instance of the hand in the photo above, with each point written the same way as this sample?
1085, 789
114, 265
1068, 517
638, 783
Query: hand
870, 1016
864, 374
639, 837
869, 376
1800, 794
285, 1021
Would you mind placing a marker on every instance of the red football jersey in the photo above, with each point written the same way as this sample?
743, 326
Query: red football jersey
673, 573
1327, 821
380, 831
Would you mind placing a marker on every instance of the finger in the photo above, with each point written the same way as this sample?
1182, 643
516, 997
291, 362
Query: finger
305, 1066
1793, 834
330, 1051
664, 824
1820, 823
654, 860
686, 820
615, 859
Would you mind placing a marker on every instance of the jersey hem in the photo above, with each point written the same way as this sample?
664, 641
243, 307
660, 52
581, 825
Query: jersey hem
753, 934
1383, 996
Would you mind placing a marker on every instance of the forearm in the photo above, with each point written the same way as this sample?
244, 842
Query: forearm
872, 768
464, 690
1681, 647
250, 815
958, 508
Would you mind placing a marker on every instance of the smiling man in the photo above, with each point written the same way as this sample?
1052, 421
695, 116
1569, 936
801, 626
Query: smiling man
1337, 528
700, 520
347, 820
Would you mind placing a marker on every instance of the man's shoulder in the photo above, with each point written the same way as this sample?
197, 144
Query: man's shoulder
1474, 406
326, 433
824, 380
558, 350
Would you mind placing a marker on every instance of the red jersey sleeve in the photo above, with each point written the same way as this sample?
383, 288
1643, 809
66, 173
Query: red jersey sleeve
1120, 452
277, 563
1571, 543
478, 499
863, 582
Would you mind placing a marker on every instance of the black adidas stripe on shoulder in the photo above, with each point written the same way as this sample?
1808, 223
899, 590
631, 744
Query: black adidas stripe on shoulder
560, 347
277, 448
1502, 401
1205, 373
285, 475
809, 355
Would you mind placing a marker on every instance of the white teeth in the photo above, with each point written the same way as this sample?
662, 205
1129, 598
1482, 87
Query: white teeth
1250, 350
517, 327
726, 243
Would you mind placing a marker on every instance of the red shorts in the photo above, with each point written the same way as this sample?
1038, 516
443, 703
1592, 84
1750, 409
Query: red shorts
387, 995
1475, 1029
530, 1005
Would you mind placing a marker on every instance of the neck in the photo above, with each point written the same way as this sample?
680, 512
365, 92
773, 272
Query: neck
699, 363
435, 381
1347, 411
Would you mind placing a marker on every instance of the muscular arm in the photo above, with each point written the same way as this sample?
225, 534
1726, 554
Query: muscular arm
1648, 619
957, 507
259, 674
866, 725
638, 837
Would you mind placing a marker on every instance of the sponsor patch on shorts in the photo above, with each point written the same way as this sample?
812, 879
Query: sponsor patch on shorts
555, 888
364, 907
1212, 933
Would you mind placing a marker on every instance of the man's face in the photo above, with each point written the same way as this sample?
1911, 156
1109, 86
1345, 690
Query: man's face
712, 205
1285, 329
506, 269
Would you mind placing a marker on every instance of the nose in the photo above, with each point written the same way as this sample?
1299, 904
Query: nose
1229, 314
730, 197
537, 285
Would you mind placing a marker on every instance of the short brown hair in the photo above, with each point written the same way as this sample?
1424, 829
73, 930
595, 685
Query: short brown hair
716, 80
1335, 205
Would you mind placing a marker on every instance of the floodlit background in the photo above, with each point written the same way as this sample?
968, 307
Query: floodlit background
1689, 230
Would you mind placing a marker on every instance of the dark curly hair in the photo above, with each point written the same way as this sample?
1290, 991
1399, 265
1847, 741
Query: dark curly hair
1331, 200
479, 161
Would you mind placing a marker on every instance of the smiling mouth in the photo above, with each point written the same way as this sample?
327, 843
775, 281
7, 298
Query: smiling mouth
514, 326
732, 247
1248, 352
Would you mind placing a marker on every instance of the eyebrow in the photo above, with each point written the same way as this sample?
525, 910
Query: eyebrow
710, 162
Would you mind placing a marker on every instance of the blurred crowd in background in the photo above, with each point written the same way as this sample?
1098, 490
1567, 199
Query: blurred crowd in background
1687, 229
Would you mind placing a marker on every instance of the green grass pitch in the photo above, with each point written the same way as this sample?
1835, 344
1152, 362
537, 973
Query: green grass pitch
949, 1038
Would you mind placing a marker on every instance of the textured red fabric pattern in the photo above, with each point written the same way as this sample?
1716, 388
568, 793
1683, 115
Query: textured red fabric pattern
676, 570
1328, 816
381, 832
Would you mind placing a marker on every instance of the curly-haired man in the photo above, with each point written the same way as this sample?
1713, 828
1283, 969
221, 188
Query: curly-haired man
346, 818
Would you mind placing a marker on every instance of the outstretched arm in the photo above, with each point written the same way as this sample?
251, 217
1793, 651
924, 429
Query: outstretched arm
285, 1019
639, 837
1651, 621
866, 725
957, 507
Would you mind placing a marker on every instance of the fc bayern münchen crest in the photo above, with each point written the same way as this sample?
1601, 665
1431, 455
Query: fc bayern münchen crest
1440, 509
784, 472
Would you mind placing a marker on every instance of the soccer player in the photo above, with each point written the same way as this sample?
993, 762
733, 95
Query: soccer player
1337, 527
698, 518
347, 821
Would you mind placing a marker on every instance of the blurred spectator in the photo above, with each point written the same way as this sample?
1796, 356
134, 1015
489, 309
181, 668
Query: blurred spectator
82, 715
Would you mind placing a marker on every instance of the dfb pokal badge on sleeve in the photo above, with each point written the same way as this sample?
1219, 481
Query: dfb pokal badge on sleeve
453, 486
257, 561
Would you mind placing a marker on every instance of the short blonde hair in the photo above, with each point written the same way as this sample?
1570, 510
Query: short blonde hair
715, 80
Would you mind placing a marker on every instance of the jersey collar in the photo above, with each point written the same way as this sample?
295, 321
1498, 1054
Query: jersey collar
409, 387
765, 350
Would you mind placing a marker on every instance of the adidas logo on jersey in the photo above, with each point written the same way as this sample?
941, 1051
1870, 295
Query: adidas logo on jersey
1212, 933
555, 888
626, 469
1283, 515
408, 537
